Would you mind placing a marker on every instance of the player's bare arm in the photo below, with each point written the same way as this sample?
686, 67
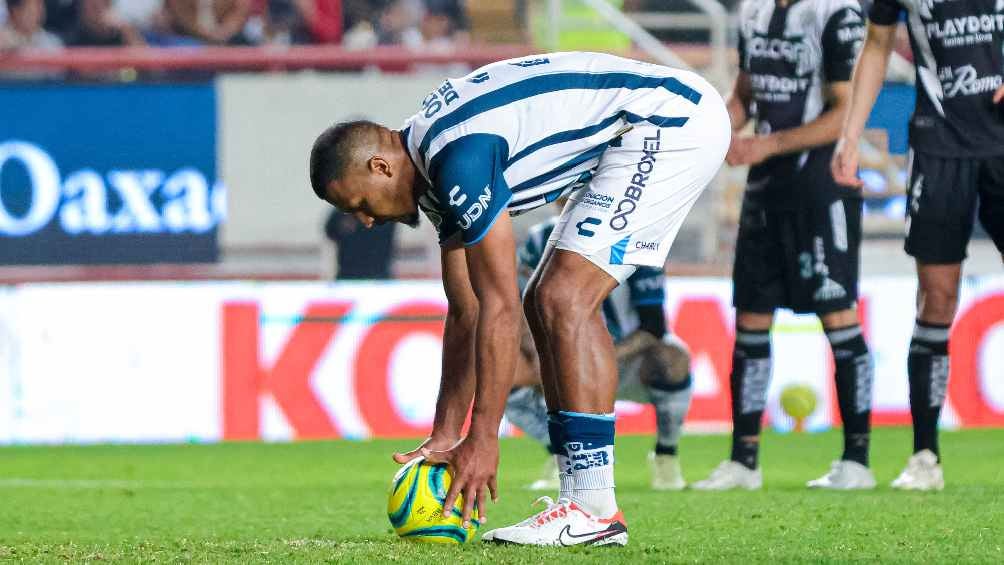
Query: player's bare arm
738, 102
869, 73
456, 387
738, 105
820, 131
491, 265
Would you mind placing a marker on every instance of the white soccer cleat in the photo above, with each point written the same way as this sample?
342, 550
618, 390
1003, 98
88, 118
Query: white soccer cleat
845, 475
563, 523
548, 477
730, 475
666, 472
922, 472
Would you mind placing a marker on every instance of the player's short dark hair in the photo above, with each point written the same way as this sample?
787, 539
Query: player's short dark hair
12, 4
332, 152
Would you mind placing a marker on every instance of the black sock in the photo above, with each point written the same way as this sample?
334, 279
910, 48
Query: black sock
749, 379
661, 449
927, 366
854, 373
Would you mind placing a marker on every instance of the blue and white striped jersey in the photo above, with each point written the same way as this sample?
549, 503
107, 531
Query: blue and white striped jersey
645, 287
520, 133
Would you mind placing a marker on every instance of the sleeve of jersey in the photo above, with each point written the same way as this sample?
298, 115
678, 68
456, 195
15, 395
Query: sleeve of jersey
842, 37
467, 179
884, 12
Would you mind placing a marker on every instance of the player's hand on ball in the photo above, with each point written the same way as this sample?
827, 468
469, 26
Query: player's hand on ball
473, 463
844, 165
432, 443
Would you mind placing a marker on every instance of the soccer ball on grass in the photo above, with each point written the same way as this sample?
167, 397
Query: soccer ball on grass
415, 505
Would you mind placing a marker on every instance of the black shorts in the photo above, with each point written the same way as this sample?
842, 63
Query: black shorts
805, 257
943, 197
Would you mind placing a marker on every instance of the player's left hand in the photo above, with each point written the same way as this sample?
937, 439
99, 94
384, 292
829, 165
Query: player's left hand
751, 150
473, 463
999, 95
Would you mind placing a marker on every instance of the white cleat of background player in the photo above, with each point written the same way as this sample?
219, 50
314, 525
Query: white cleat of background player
922, 473
731, 475
562, 523
666, 472
845, 475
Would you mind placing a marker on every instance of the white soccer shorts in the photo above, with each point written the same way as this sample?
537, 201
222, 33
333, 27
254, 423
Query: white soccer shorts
630, 212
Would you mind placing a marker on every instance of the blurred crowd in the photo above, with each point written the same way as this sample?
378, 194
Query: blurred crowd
354, 24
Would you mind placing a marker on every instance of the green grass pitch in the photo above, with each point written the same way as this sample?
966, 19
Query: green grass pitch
325, 502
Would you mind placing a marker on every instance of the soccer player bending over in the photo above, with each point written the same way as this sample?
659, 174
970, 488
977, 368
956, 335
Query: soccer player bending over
653, 365
633, 145
956, 172
799, 231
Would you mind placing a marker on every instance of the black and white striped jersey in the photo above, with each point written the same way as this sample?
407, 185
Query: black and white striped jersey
957, 49
791, 52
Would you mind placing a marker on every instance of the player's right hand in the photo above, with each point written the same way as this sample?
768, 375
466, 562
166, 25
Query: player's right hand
844, 165
432, 443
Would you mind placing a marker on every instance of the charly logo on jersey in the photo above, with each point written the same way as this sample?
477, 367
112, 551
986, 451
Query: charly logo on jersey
590, 221
476, 210
633, 193
965, 81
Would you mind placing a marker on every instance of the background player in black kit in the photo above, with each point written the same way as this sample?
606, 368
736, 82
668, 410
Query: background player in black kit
956, 170
799, 231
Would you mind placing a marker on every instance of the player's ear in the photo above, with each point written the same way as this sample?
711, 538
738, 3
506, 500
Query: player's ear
380, 166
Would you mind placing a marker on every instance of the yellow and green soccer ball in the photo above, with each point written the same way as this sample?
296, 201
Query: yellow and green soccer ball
798, 401
415, 505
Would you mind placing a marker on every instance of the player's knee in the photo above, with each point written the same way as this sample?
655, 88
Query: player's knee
667, 366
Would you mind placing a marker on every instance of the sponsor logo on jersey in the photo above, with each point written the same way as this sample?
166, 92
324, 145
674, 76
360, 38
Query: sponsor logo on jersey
773, 88
590, 221
965, 30
634, 191
647, 245
476, 209
437, 99
849, 34
597, 200
792, 49
964, 81
454, 201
